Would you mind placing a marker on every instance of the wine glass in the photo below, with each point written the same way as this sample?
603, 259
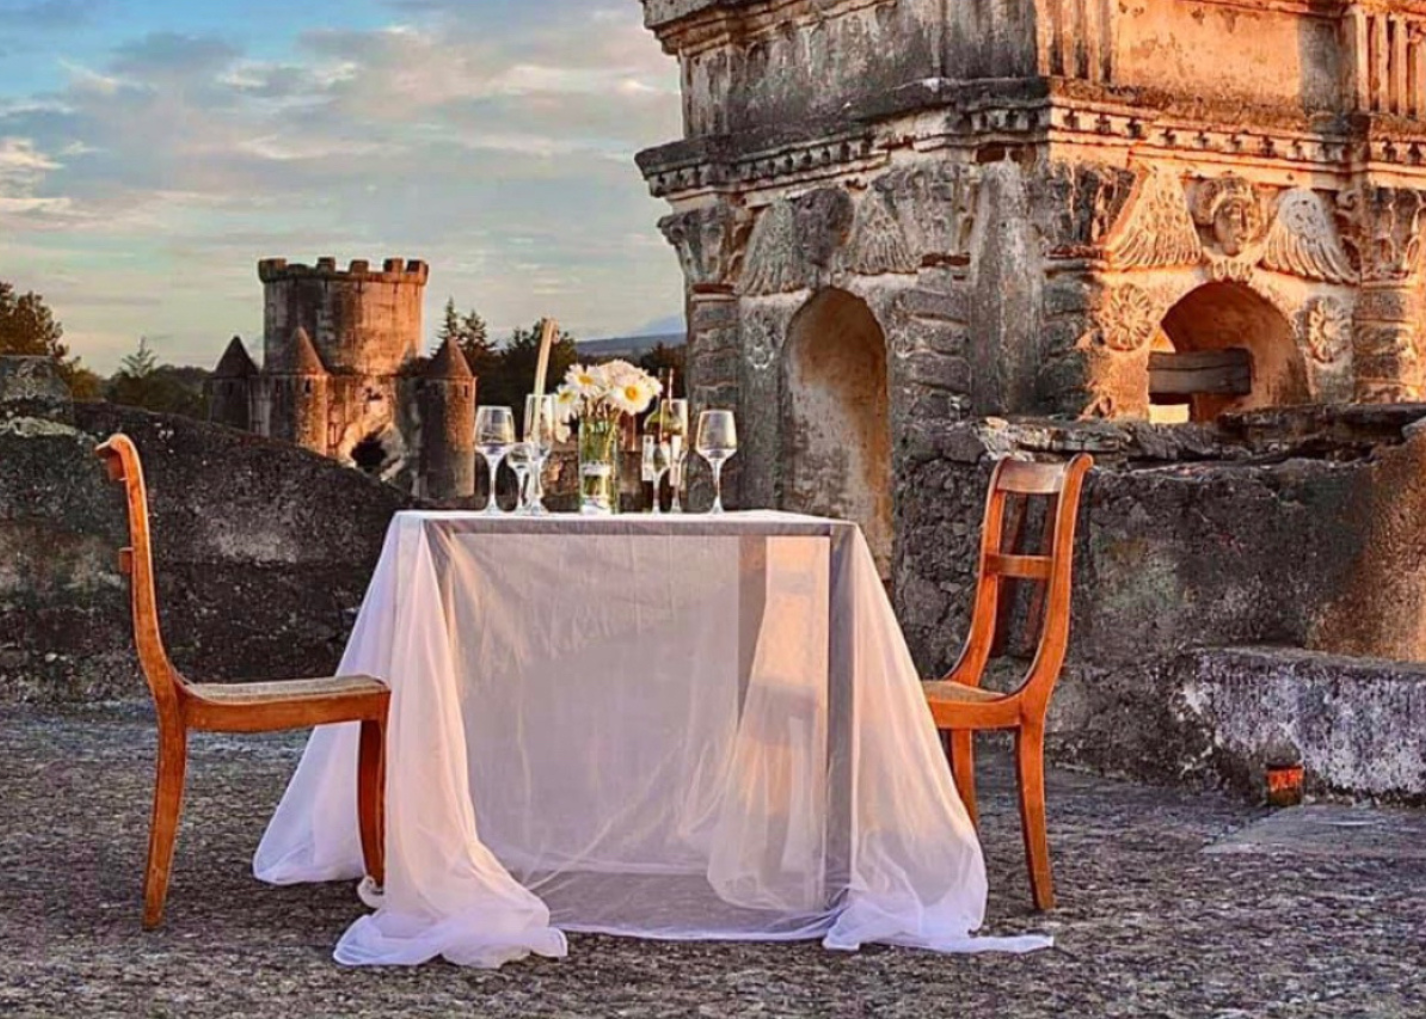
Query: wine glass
494, 435
674, 417
717, 442
520, 460
657, 460
540, 439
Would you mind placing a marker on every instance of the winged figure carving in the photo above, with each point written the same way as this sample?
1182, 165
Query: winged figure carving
1155, 230
1303, 240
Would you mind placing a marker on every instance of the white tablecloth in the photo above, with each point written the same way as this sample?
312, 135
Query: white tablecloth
674, 727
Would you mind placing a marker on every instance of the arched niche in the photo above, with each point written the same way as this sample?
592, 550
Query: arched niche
836, 422
1221, 315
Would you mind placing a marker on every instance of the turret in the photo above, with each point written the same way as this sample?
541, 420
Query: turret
230, 388
447, 409
297, 385
362, 320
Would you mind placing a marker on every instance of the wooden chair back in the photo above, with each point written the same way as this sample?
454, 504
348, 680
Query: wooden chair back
121, 458
1001, 561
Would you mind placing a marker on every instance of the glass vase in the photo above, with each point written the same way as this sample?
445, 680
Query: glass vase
599, 467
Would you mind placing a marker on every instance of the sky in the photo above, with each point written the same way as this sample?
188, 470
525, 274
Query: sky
152, 151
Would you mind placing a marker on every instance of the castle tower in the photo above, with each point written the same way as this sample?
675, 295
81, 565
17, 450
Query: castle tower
230, 392
298, 395
364, 326
447, 408
362, 322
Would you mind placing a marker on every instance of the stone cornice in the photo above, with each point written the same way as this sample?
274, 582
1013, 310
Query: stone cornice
972, 120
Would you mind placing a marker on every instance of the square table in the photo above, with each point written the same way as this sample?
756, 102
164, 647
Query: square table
673, 726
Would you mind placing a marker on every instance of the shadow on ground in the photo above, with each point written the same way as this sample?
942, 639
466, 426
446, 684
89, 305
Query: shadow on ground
1150, 924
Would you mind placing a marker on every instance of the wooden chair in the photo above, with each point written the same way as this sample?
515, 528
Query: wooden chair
958, 703
231, 707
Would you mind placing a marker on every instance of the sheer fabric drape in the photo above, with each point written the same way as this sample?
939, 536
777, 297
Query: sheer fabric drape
665, 727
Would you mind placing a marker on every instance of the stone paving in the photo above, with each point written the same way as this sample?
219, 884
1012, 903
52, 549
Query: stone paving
1274, 922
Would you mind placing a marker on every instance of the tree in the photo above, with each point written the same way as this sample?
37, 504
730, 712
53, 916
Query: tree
164, 389
510, 377
28, 329
471, 334
663, 358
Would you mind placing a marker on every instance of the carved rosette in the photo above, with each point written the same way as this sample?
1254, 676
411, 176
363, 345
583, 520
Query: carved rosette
1127, 320
1326, 328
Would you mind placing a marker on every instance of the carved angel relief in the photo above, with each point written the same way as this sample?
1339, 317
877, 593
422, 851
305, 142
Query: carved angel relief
878, 244
1303, 240
1155, 230
1233, 211
774, 264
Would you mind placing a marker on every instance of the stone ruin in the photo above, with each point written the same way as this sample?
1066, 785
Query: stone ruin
919, 234
339, 347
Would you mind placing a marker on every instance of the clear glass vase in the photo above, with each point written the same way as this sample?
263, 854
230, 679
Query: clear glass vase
599, 467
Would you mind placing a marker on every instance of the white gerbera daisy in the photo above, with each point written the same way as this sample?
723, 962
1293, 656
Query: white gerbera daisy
586, 382
633, 395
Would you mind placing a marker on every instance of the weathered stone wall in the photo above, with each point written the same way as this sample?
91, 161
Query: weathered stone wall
1303, 532
263, 553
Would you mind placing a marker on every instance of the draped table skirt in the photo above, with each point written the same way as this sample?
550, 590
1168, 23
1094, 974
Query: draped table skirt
686, 727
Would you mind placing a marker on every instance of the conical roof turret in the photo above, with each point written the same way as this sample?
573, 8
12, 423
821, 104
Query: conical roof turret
450, 364
303, 358
235, 363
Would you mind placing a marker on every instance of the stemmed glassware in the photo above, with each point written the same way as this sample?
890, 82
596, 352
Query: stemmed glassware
657, 461
539, 444
674, 416
494, 435
717, 442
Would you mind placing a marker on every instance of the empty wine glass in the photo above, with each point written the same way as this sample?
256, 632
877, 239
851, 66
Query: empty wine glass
657, 460
674, 416
494, 435
717, 442
540, 440
519, 460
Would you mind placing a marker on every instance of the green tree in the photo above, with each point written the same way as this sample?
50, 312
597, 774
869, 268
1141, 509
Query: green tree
663, 358
28, 329
510, 376
471, 334
164, 389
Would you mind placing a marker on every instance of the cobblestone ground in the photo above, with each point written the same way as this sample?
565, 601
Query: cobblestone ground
1149, 924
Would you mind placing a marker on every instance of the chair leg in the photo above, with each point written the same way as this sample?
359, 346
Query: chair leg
963, 768
163, 828
371, 798
1030, 764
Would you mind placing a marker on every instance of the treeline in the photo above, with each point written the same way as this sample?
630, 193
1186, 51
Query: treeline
506, 371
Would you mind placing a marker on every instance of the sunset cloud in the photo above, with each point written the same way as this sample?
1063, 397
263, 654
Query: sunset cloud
495, 140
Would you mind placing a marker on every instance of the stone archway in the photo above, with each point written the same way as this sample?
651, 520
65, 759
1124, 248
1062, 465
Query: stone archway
1221, 315
836, 422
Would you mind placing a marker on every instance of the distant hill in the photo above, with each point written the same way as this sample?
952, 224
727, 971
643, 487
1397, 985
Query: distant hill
629, 347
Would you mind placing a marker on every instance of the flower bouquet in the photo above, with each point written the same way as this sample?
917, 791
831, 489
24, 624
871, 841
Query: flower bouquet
597, 399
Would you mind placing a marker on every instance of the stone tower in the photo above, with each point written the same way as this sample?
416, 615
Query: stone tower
362, 325
230, 390
447, 425
298, 395
896, 214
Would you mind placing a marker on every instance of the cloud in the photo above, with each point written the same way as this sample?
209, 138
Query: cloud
496, 143
48, 14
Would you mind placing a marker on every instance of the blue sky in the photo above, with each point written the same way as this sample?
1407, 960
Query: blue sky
151, 151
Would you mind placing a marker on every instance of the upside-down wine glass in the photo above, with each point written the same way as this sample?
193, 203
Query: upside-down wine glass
494, 435
657, 461
540, 440
717, 442
674, 414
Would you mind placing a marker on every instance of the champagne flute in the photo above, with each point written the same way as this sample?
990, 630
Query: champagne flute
674, 417
494, 435
540, 438
717, 442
